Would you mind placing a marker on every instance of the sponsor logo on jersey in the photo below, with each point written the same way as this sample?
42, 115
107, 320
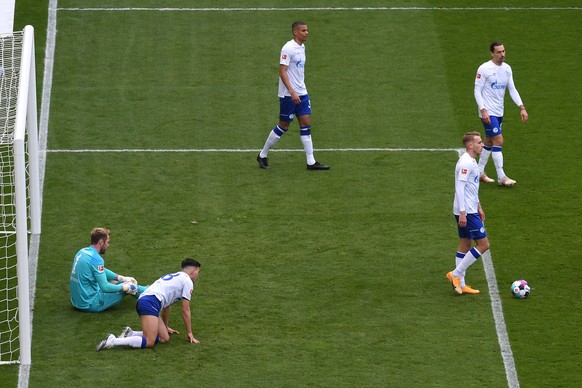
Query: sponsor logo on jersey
495, 85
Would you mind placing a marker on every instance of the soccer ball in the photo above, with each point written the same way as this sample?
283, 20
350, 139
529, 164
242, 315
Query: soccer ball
520, 289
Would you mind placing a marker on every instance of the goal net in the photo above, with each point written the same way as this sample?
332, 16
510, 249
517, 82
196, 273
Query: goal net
19, 191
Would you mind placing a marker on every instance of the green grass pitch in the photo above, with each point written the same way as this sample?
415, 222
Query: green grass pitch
319, 279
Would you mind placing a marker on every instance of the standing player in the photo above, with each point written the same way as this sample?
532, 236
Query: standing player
468, 213
153, 307
293, 98
493, 77
95, 288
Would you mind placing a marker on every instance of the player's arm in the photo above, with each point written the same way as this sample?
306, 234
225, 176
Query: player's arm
187, 317
104, 285
165, 315
514, 94
460, 191
110, 275
481, 212
115, 277
478, 93
285, 78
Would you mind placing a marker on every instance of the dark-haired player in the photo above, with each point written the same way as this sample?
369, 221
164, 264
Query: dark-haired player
153, 308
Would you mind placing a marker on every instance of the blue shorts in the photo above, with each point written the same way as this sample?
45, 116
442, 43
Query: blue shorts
148, 305
474, 230
493, 129
288, 109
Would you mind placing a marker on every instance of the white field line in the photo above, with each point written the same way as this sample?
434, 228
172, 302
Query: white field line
248, 150
500, 328
250, 9
503, 338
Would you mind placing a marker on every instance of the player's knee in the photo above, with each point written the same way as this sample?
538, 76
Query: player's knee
483, 245
150, 343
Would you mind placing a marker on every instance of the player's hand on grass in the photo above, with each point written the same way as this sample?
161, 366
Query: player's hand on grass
192, 339
172, 331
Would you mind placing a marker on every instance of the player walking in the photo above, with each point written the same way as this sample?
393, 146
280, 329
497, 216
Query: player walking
293, 98
493, 78
468, 213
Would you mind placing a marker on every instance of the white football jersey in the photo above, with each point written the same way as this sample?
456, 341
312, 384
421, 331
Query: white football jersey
467, 182
293, 55
490, 84
171, 288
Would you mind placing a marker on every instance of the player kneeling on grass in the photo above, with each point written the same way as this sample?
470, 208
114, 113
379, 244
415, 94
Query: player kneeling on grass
153, 307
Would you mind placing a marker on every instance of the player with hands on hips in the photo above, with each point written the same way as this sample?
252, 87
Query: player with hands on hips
95, 288
153, 308
493, 78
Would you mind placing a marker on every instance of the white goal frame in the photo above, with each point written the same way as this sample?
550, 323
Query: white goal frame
26, 170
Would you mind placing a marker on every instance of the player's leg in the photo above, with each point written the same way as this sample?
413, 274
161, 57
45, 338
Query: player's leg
486, 152
150, 326
286, 115
148, 307
305, 136
464, 247
497, 155
106, 300
163, 334
304, 118
479, 235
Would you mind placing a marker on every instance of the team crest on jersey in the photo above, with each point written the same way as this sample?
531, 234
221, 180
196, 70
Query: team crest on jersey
101, 268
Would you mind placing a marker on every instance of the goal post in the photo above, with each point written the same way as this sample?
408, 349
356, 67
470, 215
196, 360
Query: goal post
19, 191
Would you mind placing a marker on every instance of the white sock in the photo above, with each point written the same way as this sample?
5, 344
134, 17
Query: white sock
458, 259
273, 138
484, 158
305, 134
470, 258
498, 161
308, 147
133, 342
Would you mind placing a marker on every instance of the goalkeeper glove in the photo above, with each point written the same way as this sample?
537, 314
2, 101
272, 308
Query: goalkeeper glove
129, 288
125, 279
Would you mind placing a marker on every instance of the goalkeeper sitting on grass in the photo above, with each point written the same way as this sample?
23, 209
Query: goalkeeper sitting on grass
95, 288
